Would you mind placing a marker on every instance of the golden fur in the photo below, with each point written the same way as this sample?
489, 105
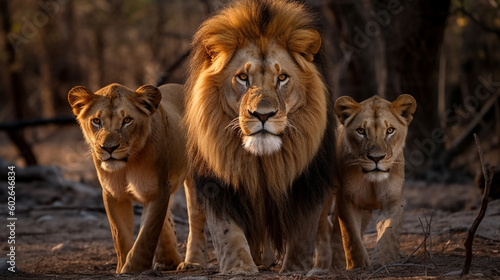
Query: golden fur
256, 116
138, 148
370, 176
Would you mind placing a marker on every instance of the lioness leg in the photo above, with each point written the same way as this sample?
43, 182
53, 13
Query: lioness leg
166, 255
231, 246
351, 226
300, 248
141, 255
338, 254
389, 224
121, 222
196, 243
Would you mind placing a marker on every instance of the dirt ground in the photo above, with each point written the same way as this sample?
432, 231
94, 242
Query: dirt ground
62, 231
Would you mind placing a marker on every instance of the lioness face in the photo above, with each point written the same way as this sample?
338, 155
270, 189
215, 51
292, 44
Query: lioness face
115, 121
261, 95
375, 132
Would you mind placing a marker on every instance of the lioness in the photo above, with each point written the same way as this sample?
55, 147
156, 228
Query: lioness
138, 148
370, 175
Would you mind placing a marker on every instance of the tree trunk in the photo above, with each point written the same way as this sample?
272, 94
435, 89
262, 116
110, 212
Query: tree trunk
15, 87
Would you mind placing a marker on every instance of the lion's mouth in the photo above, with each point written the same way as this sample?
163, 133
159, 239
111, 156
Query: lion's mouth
263, 132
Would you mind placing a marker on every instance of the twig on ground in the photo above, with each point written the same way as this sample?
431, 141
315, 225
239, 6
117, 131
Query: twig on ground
394, 264
425, 244
488, 176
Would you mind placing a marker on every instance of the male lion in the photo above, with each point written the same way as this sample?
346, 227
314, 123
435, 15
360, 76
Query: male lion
138, 148
370, 176
260, 127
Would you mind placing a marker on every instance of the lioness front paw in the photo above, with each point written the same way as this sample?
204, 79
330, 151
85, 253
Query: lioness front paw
243, 269
129, 268
164, 266
378, 259
189, 266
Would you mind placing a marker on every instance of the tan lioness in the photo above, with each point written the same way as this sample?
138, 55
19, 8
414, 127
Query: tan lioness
370, 176
138, 148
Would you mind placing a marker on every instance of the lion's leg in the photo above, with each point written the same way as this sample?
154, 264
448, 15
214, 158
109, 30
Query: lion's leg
389, 224
350, 221
141, 255
121, 222
300, 248
231, 246
323, 257
166, 255
196, 243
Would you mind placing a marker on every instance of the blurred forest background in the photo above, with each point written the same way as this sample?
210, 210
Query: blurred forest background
445, 53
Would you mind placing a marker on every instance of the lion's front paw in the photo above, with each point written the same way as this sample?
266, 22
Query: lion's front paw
317, 272
189, 266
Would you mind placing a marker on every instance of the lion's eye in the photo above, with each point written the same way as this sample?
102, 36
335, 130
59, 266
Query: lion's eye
282, 79
242, 78
360, 131
96, 122
390, 130
127, 120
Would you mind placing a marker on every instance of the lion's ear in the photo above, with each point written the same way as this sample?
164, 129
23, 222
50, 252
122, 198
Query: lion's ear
306, 42
345, 107
405, 106
78, 97
149, 97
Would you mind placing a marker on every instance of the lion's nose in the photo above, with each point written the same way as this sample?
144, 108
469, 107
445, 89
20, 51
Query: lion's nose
376, 159
110, 149
262, 117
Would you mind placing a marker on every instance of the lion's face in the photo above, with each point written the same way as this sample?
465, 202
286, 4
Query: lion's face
262, 93
375, 132
115, 121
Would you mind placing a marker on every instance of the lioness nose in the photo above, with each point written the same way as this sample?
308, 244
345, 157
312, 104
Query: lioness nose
376, 159
262, 117
110, 149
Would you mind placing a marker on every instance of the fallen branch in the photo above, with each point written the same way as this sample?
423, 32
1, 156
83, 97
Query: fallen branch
488, 176
394, 264
37, 122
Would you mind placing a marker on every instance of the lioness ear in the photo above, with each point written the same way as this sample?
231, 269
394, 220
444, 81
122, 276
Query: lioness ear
405, 106
306, 42
345, 107
78, 97
149, 97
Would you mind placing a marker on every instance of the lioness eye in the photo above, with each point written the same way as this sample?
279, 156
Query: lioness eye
282, 77
127, 120
390, 130
243, 76
96, 121
360, 130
